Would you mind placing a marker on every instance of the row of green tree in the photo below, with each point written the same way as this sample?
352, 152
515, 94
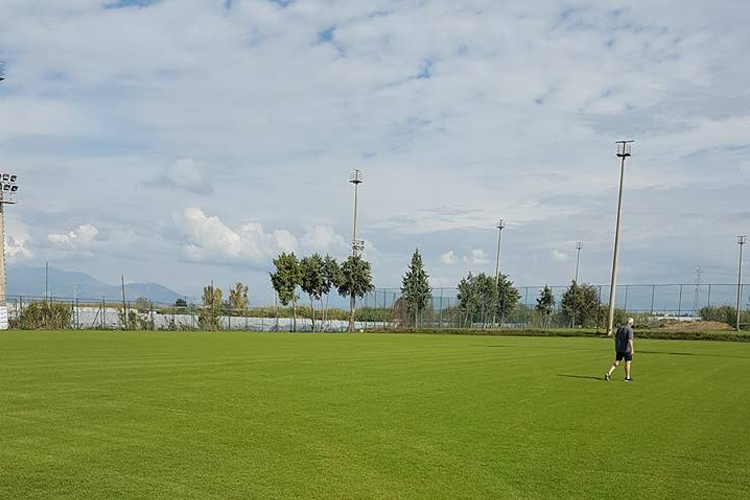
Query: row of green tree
318, 276
487, 301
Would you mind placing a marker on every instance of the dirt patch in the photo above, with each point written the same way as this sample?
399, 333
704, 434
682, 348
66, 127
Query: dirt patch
694, 326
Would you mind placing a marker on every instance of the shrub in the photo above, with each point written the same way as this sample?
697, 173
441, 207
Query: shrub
43, 315
724, 314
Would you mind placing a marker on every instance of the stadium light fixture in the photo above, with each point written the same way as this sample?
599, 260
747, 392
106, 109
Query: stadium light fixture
623, 151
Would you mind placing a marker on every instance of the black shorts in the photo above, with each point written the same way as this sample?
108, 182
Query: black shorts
627, 356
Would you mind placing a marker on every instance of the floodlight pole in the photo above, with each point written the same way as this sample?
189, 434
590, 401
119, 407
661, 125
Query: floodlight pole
579, 246
356, 179
741, 240
623, 151
3, 279
500, 226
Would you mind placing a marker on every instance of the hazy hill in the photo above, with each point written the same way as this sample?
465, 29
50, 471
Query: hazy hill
29, 282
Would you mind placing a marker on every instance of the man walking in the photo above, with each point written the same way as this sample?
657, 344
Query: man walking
623, 350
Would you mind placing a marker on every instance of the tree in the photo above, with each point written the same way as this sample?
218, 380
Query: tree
285, 280
238, 301
477, 297
545, 304
210, 313
356, 281
507, 297
468, 301
487, 294
180, 303
415, 289
580, 304
313, 280
331, 280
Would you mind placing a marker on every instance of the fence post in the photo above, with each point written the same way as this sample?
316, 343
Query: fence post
709, 295
626, 298
679, 305
441, 309
385, 308
526, 308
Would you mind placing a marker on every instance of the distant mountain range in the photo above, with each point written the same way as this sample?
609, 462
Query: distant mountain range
30, 282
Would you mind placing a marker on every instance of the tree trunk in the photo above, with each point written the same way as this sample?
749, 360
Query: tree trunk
312, 314
322, 315
416, 319
294, 325
324, 326
276, 302
351, 313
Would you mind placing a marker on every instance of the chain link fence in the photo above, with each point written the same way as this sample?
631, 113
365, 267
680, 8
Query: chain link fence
650, 305
383, 309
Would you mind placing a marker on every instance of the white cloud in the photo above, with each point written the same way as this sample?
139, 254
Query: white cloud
210, 240
449, 258
477, 257
82, 238
324, 239
184, 174
559, 256
17, 248
125, 86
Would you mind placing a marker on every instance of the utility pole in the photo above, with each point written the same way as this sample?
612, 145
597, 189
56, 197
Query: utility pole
623, 151
741, 240
125, 325
579, 246
357, 245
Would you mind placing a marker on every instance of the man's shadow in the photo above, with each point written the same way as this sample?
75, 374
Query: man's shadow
581, 376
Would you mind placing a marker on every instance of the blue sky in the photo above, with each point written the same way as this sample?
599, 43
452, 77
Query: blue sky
184, 141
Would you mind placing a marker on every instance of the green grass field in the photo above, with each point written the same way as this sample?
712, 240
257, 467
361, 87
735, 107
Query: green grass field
91, 415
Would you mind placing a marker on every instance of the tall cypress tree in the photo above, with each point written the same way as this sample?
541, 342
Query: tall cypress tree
545, 304
415, 288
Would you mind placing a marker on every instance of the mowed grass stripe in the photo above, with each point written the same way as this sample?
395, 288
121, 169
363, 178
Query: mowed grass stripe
252, 415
